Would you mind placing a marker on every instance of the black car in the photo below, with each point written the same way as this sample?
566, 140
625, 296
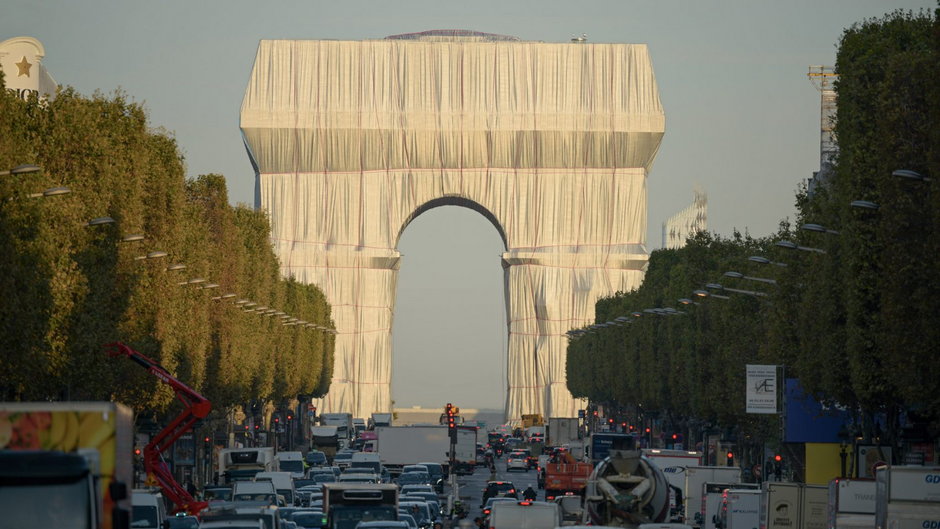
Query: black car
498, 489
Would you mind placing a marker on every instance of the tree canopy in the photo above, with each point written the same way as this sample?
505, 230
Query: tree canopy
68, 288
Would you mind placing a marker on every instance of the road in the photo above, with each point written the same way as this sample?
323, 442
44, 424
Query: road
471, 487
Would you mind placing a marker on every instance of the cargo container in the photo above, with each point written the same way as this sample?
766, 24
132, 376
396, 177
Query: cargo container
907, 497
851, 504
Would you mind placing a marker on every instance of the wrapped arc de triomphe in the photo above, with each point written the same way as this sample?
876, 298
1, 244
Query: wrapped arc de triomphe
552, 142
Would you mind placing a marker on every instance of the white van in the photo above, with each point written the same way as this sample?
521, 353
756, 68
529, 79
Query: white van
524, 515
254, 491
283, 484
149, 509
292, 462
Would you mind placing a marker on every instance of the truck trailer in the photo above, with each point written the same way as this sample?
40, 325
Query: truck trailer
66, 464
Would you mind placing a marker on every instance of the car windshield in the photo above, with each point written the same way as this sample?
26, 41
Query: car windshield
414, 477
293, 465
348, 516
144, 516
420, 511
58, 505
183, 522
309, 519
222, 494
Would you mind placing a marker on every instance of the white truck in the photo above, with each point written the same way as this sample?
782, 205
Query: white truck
907, 497
292, 462
325, 439
673, 464
343, 423
562, 431
241, 464
712, 495
694, 487
851, 503
379, 420
740, 509
407, 445
465, 451
785, 505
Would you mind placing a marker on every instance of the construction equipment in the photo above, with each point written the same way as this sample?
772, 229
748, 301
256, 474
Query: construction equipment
625, 490
195, 407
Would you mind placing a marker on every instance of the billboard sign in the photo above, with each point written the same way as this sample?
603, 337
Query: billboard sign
761, 389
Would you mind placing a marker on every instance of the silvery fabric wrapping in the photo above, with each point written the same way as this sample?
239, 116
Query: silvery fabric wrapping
552, 142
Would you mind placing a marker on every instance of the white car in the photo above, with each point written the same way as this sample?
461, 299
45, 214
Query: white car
517, 463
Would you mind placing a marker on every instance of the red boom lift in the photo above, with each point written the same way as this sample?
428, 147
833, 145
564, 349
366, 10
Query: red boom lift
195, 407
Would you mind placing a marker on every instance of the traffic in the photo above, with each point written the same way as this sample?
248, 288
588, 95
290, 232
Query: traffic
381, 475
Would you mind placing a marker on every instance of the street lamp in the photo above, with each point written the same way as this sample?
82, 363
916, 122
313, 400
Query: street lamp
793, 246
739, 275
21, 169
910, 175
100, 221
133, 237
819, 229
707, 294
864, 204
51, 192
763, 260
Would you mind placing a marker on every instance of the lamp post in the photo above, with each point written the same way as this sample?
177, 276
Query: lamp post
738, 275
790, 245
21, 169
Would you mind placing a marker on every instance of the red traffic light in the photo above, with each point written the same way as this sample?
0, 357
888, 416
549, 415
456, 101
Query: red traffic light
137, 451
778, 458
611, 421
277, 419
647, 429
595, 413
730, 455
289, 416
206, 439
675, 436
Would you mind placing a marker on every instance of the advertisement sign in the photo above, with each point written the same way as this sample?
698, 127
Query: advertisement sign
871, 457
761, 388
913, 483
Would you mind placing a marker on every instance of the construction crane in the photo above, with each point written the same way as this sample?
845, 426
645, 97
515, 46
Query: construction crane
196, 407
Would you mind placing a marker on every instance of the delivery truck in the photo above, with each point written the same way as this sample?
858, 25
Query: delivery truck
785, 505
851, 503
694, 488
907, 497
408, 445
562, 431
66, 464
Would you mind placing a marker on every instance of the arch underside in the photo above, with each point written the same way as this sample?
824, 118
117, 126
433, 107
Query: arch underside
565, 186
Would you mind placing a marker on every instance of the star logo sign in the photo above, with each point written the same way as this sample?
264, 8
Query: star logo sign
23, 67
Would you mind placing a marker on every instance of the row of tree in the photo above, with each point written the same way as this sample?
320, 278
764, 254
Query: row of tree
67, 288
854, 314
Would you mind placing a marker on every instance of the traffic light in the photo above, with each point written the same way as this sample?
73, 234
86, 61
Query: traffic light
289, 417
675, 437
730, 456
206, 447
778, 466
451, 421
648, 429
611, 421
595, 413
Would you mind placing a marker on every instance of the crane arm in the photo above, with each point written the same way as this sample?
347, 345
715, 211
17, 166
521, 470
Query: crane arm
195, 407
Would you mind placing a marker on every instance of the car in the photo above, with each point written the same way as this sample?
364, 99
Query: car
432, 502
571, 509
382, 524
496, 489
358, 477
315, 458
420, 510
488, 507
181, 521
417, 487
217, 493
527, 454
412, 478
405, 517
517, 461
309, 519
515, 514
149, 509
436, 471
343, 458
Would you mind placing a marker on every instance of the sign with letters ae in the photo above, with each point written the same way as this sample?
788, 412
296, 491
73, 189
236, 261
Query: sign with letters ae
761, 389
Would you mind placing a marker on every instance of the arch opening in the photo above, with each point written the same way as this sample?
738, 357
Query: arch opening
449, 332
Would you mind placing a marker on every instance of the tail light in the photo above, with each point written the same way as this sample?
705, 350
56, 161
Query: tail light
525, 503
486, 511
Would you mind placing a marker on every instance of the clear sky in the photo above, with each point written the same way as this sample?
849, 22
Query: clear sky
742, 122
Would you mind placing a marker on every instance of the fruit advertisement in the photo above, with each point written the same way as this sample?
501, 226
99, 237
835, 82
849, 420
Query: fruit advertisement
103, 431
